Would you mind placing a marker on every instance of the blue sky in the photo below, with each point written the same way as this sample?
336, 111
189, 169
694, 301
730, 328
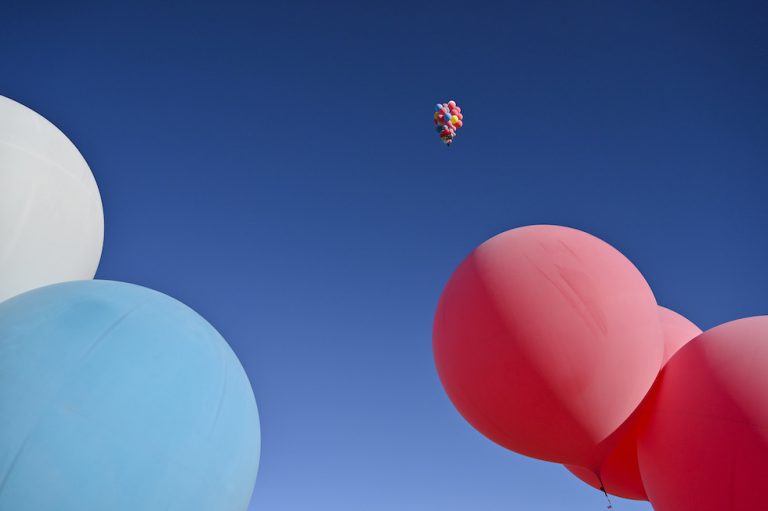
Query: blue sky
274, 166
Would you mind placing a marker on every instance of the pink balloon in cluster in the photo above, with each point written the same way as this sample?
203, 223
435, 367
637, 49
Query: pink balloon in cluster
705, 447
546, 339
550, 343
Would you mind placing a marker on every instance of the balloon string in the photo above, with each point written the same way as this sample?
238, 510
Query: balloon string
602, 489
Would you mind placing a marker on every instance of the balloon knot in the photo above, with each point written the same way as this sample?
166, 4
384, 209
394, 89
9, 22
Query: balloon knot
605, 492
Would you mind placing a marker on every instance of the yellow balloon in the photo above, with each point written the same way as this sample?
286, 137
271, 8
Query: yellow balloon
435, 115
454, 119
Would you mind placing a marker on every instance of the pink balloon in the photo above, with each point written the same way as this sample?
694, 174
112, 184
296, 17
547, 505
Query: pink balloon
618, 469
677, 330
705, 447
546, 339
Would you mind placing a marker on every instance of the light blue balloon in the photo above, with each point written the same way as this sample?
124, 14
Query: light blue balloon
116, 397
438, 107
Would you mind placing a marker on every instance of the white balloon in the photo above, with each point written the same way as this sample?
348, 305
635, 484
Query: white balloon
51, 218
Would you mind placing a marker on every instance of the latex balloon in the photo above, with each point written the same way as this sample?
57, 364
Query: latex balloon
447, 116
706, 444
51, 220
618, 469
546, 339
115, 397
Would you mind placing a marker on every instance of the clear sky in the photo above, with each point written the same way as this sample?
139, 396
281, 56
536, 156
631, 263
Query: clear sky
274, 166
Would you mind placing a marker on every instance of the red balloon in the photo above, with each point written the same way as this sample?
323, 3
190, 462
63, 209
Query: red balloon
705, 447
619, 470
546, 339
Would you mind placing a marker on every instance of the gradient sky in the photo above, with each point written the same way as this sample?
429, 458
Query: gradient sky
274, 166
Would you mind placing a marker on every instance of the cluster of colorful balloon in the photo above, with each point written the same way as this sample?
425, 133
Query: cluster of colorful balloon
112, 396
448, 119
550, 343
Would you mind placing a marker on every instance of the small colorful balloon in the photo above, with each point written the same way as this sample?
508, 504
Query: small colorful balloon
448, 119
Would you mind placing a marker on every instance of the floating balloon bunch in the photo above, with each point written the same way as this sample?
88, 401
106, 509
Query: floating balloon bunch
112, 396
448, 119
550, 343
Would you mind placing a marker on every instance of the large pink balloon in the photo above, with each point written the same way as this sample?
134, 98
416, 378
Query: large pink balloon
619, 470
546, 339
706, 444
